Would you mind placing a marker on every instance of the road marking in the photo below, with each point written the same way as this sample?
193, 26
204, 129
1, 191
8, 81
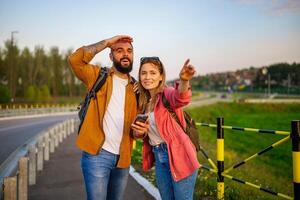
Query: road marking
26, 125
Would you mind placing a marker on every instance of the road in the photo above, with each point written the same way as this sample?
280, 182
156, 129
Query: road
15, 132
206, 100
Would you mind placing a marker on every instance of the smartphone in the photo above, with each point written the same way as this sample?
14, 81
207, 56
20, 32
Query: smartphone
141, 118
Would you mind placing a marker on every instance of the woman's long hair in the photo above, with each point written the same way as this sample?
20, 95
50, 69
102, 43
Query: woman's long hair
144, 96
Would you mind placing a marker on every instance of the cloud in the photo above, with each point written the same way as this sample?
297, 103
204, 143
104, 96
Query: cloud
288, 6
274, 7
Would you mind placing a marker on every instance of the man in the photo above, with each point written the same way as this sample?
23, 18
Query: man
105, 136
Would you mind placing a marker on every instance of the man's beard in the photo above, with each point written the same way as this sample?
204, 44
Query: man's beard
121, 68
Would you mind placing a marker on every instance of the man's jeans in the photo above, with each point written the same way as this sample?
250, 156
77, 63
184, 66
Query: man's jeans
168, 188
102, 179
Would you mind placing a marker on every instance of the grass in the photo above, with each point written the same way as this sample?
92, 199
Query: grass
272, 170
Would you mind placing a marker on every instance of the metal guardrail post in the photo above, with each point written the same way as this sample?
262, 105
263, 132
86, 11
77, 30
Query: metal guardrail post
56, 132
68, 127
65, 129
32, 165
52, 140
10, 188
60, 133
23, 179
40, 154
220, 158
72, 126
46, 149
295, 135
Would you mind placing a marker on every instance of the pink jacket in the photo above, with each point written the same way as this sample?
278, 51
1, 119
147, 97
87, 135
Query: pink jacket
182, 153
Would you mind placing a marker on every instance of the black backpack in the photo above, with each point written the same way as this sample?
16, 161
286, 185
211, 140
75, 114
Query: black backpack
191, 128
83, 106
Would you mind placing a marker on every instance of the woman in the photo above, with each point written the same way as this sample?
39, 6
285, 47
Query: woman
166, 143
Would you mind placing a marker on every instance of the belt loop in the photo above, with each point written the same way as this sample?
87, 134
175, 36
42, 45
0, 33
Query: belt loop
165, 147
162, 145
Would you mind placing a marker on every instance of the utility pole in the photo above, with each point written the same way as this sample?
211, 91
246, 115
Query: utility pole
12, 37
12, 67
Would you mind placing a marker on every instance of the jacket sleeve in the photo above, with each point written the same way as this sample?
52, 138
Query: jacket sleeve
176, 98
87, 73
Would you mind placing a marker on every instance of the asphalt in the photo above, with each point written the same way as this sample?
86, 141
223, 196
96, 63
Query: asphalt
61, 178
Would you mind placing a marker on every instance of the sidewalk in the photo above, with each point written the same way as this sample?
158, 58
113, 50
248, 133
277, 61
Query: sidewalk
61, 178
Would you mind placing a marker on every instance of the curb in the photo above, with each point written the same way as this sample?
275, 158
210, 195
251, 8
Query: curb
149, 187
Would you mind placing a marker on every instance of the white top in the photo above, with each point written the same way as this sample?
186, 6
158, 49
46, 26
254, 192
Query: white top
154, 136
113, 121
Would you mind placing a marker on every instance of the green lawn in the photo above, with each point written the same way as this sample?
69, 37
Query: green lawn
272, 170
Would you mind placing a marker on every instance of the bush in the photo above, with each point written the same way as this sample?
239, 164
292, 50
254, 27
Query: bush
4, 94
44, 94
37, 95
31, 93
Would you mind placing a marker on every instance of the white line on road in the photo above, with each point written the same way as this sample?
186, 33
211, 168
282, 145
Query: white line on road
37, 115
26, 125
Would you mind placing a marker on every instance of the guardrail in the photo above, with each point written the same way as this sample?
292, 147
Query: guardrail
33, 109
221, 172
19, 170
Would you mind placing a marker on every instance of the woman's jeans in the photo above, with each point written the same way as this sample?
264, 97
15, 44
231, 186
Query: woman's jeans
103, 180
168, 188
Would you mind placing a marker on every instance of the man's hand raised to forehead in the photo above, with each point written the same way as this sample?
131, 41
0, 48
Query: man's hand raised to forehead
118, 38
95, 48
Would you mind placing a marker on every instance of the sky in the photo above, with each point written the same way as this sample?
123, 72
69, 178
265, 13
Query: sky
217, 35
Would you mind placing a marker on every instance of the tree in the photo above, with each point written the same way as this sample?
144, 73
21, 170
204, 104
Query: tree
26, 65
55, 71
4, 94
68, 75
11, 54
2, 70
40, 71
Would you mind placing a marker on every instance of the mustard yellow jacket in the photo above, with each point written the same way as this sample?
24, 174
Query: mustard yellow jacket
91, 136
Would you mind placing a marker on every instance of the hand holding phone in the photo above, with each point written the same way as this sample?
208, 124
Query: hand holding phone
141, 118
140, 130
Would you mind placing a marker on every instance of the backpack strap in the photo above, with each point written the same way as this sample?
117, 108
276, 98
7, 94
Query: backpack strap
99, 82
137, 95
171, 111
133, 79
